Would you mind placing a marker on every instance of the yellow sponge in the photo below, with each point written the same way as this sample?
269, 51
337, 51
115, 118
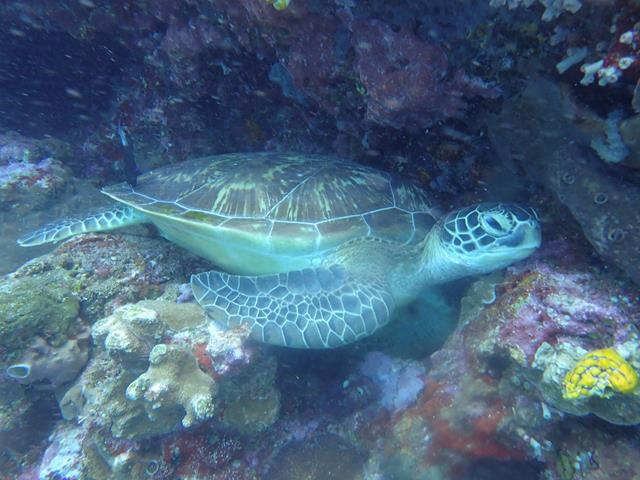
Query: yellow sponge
600, 373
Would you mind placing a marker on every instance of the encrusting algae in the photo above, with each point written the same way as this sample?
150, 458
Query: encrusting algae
600, 373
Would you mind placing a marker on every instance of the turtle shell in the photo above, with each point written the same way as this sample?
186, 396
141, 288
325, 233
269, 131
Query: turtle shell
282, 203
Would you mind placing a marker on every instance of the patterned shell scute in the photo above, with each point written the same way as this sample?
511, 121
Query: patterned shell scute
316, 198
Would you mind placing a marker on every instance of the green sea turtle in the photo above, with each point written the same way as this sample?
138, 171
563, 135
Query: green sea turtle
313, 251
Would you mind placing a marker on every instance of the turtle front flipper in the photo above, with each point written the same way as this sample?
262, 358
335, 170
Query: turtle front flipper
115, 217
310, 308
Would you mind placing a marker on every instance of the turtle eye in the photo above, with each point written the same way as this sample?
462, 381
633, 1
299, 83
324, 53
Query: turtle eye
495, 224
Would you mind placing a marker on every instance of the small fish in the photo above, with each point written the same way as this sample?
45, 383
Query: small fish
131, 170
279, 4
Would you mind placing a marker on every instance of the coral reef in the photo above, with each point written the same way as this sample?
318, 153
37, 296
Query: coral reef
400, 382
552, 8
615, 59
148, 385
172, 381
29, 176
98, 273
404, 78
63, 457
201, 58
160, 377
622, 57
36, 186
495, 391
207, 455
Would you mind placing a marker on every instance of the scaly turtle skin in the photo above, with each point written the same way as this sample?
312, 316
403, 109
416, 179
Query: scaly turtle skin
313, 251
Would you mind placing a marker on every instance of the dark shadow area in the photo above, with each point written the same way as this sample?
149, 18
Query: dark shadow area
491, 469
52, 83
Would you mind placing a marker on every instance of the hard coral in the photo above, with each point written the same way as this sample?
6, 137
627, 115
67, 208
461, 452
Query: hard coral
129, 333
192, 374
174, 384
174, 379
98, 271
600, 372
622, 58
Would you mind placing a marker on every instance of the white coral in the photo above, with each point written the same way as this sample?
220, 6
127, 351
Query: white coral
174, 380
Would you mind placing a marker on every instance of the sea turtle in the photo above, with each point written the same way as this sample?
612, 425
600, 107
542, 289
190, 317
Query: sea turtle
312, 251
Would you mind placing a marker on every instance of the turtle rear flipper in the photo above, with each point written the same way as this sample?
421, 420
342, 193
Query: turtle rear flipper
310, 308
115, 217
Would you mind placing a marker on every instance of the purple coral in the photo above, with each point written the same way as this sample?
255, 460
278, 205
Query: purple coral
405, 78
186, 294
400, 381
63, 457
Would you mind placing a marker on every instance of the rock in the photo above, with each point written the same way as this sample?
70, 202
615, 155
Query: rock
63, 457
100, 272
326, 457
35, 306
54, 366
495, 390
559, 158
13, 404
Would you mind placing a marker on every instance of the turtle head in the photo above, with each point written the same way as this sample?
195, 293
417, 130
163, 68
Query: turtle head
479, 239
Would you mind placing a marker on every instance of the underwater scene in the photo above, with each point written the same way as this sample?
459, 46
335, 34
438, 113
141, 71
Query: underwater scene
320, 240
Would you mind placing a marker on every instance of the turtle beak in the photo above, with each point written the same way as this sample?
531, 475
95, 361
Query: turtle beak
526, 237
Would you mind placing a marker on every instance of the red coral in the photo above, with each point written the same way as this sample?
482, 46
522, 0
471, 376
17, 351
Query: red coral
204, 359
405, 78
465, 423
200, 453
622, 59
